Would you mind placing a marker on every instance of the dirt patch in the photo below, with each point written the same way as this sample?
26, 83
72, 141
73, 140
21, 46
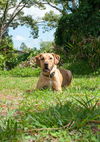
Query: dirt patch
9, 103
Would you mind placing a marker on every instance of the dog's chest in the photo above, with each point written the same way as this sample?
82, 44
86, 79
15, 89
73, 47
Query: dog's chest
50, 83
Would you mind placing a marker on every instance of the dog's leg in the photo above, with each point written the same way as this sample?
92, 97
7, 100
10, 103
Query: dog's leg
39, 85
56, 86
42, 84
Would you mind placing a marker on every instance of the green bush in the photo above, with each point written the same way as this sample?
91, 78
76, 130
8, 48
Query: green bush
22, 72
77, 34
4, 72
6, 49
2, 61
80, 67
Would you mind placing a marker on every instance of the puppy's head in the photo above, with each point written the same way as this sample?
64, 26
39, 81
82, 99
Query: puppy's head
47, 60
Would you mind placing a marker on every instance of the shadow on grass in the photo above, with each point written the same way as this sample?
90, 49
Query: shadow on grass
79, 112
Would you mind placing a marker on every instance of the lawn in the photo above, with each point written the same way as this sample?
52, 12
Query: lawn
47, 116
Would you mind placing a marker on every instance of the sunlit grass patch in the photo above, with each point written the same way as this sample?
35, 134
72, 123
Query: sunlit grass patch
44, 115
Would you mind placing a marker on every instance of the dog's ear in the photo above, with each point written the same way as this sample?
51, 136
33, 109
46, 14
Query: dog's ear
37, 60
56, 58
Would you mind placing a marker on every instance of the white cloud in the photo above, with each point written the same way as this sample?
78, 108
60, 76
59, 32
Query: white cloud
19, 38
38, 13
21, 34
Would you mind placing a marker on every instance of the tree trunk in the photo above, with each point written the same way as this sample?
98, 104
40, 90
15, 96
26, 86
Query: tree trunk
2, 32
73, 4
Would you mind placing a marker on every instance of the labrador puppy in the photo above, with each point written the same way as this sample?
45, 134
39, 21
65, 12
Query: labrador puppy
51, 76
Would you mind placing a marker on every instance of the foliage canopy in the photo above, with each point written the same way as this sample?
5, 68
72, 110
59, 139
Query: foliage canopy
78, 32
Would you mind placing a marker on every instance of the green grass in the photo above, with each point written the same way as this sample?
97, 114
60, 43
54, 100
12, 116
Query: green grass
63, 117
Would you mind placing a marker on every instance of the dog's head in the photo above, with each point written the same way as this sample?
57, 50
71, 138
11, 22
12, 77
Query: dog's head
47, 61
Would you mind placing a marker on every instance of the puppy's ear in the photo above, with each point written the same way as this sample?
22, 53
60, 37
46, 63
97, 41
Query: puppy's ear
37, 60
56, 58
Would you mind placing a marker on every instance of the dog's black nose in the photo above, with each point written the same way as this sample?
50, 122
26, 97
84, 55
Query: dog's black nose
46, 65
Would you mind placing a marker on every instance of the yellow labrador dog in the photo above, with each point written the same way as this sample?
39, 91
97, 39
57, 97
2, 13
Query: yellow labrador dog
51, 76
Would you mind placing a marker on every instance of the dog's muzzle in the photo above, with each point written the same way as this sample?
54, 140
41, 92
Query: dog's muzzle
46, 69
46, 65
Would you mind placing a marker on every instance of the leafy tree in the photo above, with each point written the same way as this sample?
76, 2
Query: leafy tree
23, 47
6, 50
78, 32
63, 6
50, 20
46, 46
12, 15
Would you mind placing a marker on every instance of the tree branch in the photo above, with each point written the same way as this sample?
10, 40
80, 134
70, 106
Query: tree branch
48, 3
5, 12
12, 17
16, 9
55, 7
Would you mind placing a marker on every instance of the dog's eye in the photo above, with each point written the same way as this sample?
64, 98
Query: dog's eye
42, 58
50, 58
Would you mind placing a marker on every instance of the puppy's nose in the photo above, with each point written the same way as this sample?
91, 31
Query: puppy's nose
46, 65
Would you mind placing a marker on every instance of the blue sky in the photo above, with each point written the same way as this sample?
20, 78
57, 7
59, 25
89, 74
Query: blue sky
22, 33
